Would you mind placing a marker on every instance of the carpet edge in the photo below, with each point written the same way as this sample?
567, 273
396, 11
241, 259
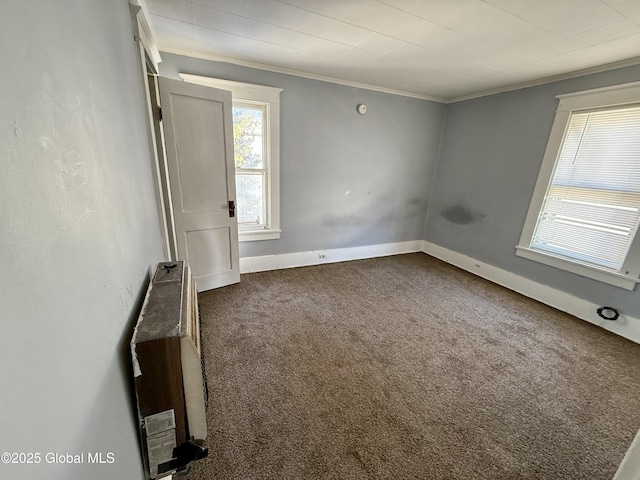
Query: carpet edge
626, 326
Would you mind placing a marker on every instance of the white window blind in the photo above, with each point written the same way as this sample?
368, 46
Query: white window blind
591, 210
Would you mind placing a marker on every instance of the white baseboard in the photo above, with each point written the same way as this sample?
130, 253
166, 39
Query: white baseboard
629, 469
625, 326
318, 257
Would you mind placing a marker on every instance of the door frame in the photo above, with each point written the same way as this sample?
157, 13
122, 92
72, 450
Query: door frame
147, 58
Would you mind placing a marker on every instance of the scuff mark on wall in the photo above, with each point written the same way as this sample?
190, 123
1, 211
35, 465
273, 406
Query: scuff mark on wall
17, 131
346, 220
461, 215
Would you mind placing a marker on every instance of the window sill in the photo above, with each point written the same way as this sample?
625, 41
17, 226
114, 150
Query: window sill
612, 278
253, 235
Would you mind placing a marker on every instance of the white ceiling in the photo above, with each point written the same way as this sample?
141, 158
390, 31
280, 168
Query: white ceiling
440, 49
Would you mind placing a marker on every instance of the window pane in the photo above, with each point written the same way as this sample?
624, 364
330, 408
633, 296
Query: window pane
251, 205
592, 207
248, 136
596, 231
600, 150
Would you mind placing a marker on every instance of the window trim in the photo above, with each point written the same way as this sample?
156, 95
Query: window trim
607, 97
269, 96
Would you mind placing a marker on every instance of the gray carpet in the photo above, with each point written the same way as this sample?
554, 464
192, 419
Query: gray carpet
405, 367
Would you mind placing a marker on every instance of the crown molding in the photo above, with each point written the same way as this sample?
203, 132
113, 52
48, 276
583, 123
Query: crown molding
145, 30
543, 81
485, 93
297, 73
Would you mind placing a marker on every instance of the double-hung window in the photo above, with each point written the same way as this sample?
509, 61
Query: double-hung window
256, 141
252, 173
585, 210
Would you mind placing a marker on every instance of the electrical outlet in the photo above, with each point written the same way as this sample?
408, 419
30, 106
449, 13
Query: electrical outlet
322, 255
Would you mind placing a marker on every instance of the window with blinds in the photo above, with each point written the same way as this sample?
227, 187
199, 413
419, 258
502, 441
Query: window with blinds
591, 209
585, 208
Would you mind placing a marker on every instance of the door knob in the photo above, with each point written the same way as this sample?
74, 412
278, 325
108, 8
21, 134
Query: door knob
232, 208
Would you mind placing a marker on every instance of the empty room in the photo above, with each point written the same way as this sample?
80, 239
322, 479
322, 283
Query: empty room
403, 233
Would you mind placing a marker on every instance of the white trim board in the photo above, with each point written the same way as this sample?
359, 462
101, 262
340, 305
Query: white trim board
332, 255
461, 98
146, 32
625, 326
296, 73
549, 79
629, 469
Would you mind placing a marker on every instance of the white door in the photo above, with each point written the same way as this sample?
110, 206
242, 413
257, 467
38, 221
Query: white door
198, 131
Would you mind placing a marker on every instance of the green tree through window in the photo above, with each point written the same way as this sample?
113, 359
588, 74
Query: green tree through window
247, 130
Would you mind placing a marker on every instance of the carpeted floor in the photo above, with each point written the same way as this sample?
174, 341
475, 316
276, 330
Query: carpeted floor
405, 367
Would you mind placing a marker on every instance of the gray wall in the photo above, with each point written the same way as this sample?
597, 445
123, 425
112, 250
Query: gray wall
79, 229
475, 200
491, 153
346, 180
79, 233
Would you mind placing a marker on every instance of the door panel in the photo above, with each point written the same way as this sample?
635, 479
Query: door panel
211, 246
199, 135
198, 131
